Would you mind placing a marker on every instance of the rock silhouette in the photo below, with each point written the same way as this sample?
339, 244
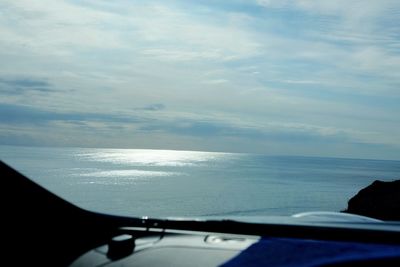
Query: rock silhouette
380, 200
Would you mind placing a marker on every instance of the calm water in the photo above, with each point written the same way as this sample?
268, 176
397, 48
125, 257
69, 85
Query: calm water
182, 183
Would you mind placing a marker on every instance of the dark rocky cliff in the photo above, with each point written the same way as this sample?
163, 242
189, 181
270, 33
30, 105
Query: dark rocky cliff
380, 200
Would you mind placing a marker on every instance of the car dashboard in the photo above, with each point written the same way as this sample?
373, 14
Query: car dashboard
135, 246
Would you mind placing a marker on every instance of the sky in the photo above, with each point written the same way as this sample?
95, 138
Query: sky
314, 78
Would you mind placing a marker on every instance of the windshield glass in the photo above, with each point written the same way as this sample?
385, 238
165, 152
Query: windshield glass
196, 108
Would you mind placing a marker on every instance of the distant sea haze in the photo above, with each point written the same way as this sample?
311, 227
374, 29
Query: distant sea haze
167, 183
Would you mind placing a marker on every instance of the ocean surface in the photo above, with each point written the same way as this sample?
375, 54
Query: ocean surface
165, 183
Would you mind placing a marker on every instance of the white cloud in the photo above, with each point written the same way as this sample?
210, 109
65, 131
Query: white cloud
302, 81
50, 26
216, 81
249, 69
60, 27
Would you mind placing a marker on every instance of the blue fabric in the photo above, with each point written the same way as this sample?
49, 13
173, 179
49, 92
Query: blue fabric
303, 252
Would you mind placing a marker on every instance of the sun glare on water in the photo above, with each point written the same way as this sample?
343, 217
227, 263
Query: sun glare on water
149, 157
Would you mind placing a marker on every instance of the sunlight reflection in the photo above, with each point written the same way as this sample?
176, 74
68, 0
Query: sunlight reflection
149, 157
128, 173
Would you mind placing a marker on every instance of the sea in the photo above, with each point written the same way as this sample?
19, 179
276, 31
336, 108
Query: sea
169, 183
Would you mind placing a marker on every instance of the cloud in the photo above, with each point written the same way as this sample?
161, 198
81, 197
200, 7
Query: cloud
184, 126
154, 107
340, 39
216, 81
18, 114
230, 72
27, 125
24, 85
172, 33
289, 133
302, 81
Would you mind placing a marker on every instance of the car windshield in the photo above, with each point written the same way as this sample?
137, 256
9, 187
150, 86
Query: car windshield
201, 108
